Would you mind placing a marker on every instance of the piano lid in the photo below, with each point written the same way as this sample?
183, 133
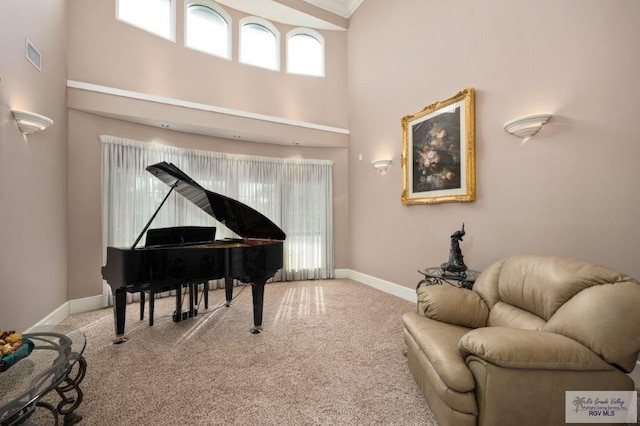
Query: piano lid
240, 218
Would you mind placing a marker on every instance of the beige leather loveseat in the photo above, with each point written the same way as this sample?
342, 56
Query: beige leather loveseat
532, 328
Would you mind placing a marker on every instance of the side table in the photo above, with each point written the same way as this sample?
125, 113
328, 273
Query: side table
436, 276
56, 363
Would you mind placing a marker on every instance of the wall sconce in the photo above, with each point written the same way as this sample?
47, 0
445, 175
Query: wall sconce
527, 126
30, 122
381, 165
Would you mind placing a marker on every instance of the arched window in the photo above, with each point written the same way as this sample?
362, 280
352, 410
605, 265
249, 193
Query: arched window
207, 28
305, 52
259, 43
155, 16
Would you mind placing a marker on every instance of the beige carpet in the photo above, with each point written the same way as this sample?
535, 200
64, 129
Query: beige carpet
330, 353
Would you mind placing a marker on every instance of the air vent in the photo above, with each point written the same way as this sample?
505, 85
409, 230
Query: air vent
33, 55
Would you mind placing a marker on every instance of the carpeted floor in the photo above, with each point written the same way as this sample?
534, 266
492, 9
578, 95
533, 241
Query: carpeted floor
330, 354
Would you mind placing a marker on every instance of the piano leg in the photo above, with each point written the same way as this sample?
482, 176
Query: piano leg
228, 290
228, 281
257, 292
142, 297
205, 289
193, 299
152, 302
119, 310
177, 314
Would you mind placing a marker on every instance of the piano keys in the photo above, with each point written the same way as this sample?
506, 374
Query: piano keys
187, 256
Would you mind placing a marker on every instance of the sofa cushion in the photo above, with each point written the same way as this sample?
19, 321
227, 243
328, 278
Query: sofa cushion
439, 342
527, 349
457, 306
505, 315
614, 334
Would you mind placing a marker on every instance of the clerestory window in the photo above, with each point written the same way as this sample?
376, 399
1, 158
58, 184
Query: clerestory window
208, 28
259, 43
305, 52
155, 16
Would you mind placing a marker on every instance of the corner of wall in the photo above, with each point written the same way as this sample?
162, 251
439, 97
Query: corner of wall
68, 308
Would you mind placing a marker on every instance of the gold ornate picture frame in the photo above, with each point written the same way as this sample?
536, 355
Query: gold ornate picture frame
438, 152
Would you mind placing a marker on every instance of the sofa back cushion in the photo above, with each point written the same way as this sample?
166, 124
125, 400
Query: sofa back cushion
538, 284
506, 315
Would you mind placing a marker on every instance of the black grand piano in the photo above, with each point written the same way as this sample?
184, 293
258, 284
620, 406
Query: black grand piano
173, 258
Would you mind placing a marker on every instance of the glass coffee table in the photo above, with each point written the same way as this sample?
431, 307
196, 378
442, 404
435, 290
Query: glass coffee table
55, 364
436, 276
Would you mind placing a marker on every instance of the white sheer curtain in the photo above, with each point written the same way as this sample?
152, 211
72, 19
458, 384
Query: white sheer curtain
295, 194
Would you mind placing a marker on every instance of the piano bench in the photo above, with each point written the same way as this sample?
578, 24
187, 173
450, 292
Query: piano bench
152, 297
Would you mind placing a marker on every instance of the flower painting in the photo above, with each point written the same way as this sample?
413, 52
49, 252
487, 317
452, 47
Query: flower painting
438, 152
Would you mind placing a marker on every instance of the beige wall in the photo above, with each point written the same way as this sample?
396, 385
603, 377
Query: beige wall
33, 169
572, 190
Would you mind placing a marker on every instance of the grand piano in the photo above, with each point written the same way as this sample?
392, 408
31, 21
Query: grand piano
173, 258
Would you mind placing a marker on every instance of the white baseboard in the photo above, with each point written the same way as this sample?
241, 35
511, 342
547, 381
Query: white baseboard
54, 318
382, 285
85, 304
341, 273
71, 307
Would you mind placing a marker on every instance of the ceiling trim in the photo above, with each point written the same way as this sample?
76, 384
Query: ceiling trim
204, 107
202, 119
344, 8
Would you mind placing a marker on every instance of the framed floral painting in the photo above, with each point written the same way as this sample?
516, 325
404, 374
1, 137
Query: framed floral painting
438, 152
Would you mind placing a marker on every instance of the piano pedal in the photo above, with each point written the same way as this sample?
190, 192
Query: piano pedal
184, 315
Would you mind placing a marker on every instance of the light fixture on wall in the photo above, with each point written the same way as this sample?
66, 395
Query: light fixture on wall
527, 126
30, 122
381, 165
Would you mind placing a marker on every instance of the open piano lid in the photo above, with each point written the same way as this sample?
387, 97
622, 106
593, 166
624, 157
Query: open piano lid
240, 218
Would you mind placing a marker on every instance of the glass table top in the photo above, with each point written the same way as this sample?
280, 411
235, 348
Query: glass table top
55, 352
435, 275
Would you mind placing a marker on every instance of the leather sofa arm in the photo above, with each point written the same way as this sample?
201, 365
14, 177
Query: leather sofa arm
453, 305
529, 349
